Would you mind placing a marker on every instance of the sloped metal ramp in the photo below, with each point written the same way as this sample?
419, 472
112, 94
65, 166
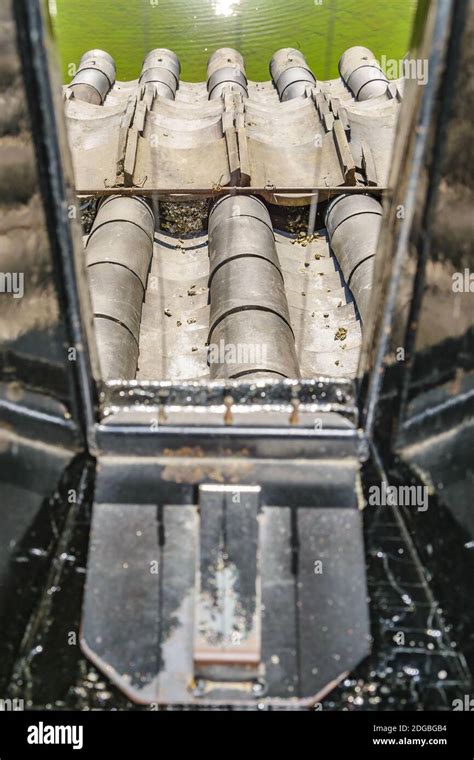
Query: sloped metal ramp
230, 599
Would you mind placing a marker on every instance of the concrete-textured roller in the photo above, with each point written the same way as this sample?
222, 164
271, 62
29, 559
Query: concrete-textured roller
161, 68
353, 223
94, 78
290, 73
249, 318
362, 74
225, 71
118, 256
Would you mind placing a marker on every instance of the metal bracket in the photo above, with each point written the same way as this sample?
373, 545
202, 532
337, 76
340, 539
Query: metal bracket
227, 639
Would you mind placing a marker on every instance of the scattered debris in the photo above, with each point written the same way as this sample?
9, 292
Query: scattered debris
183, 218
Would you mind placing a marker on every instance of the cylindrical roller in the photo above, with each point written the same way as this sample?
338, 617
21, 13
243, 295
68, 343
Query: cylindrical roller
293, 83
247, 344
161, 68
97, 54
226, 70
122, 233
227, 76
117, 208
126, 246
345, 206
163, 58
225, 243
95, 77
225, 57
116, 294
353, 224
249, 316
362, 74
118, 350
263, 376
247, 283
284, 59
231, 206
118, 254
290, 73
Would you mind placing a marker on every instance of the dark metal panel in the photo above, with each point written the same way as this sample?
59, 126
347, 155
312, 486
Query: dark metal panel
34, 466
122, 605
332, 608
397, 259
279, 581
32, 334
445, 464
139, 599
37, 483
325, 483
440, 333
425, 337
49, 348
421, 393
179, 530
393, 678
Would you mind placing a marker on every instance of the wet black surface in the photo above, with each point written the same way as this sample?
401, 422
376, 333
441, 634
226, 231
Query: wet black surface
416, 662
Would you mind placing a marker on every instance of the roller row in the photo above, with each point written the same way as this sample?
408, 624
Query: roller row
241, 302
289, 71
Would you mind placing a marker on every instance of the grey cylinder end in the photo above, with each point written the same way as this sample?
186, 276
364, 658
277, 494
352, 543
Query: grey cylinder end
94, 78
362, 73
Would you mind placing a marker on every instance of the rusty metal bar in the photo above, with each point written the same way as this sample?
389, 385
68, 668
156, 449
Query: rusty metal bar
229, 190
227, 638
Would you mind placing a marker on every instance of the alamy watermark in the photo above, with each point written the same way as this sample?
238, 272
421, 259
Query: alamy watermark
12, 282
466, 704
407, 68
463, 282
42, 733
12, 705
237, 353
384, 495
